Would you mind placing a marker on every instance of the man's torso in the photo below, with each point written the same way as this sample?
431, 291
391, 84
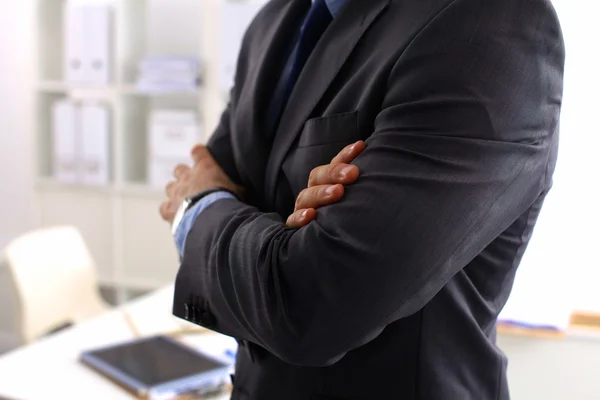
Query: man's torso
446, 350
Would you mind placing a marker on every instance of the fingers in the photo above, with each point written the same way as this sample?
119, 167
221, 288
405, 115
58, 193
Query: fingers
349, 153
169, 188
166, 212
330, 174
301, 218
339, 171
181, 170
199, 153
319, 196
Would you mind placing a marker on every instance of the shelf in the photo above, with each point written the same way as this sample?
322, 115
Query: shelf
130, 243
78, 91
51, 184
91, 91
53, 86
131, 190
506, 329
583, 325
132, 90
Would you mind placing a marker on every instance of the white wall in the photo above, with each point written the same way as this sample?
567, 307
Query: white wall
561, 268
16, 97
578, 176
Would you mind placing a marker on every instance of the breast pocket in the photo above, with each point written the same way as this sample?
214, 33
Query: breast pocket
337, 128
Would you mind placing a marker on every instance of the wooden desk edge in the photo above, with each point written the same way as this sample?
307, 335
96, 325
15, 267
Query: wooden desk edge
506, 329
581, 322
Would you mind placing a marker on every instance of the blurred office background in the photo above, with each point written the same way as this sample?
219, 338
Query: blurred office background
100, 99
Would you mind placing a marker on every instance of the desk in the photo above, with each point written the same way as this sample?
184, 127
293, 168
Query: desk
539, 368
49, 369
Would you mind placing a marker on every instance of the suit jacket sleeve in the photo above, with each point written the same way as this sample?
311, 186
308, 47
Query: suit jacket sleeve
460, 150
221, 149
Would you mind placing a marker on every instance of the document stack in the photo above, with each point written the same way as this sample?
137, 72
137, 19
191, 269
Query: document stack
159, 74
87, 31
173, 134
81, 137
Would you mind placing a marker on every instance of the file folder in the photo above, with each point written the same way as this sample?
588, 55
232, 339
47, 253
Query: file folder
74, 35
173, 134
65, 122
97, 39
95, 139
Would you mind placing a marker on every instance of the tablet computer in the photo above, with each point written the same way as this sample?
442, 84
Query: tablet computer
158, 367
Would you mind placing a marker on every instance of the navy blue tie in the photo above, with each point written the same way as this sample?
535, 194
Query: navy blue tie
318, 19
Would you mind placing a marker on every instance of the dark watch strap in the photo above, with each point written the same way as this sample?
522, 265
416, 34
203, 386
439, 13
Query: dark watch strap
199, 196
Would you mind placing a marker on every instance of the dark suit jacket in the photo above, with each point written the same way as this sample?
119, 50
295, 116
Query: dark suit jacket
394, 292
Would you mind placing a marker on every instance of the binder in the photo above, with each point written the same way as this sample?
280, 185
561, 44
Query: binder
97, 39
95, 144
65, 118
74, 27
173, 134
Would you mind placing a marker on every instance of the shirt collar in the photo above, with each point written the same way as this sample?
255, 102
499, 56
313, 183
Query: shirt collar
334, 6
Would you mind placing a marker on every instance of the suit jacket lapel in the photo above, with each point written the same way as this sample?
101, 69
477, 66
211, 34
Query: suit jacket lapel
251, 140
323, 65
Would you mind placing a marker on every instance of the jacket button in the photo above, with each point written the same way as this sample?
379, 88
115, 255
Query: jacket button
207, 319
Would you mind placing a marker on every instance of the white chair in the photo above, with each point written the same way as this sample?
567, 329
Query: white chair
54, 279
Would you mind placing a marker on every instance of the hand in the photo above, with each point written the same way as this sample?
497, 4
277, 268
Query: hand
205, 174
326, 185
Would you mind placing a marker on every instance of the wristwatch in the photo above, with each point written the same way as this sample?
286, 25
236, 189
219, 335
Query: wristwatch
190, 201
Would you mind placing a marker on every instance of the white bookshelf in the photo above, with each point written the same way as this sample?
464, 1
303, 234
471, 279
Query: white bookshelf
120, 222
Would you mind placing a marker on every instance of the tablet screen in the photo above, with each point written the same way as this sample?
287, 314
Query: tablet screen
156, 360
